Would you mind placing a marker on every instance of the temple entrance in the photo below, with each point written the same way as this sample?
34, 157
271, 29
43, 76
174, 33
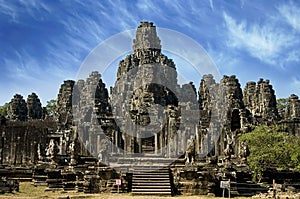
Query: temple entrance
148, 145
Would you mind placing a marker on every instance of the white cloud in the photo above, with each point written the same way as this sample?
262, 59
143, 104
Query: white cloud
9, 10
32, 8
265, 42
211, 3
293, 56
291, 13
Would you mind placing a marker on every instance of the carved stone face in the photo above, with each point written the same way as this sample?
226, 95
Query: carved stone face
146, 98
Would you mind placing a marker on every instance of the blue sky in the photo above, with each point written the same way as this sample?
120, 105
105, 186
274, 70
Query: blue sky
44, 42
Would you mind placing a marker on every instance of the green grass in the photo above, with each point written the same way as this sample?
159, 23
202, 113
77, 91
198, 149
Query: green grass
31, 192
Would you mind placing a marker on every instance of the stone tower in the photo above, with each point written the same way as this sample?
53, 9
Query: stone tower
17, 109
292, 110
260, 101
34, 106
64, 104
145, 97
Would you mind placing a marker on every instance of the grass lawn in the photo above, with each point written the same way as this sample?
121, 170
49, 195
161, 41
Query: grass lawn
29, 191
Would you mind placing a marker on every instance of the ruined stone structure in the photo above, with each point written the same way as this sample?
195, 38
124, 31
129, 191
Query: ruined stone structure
17, 109
292, 115
260, 101
145, 79
34, 107
292, 110
90, 102
146, 117
21, 110
64, 104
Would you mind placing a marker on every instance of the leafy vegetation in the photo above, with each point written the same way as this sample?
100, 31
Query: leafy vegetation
271, 147
3, 109
51, 107
281, 103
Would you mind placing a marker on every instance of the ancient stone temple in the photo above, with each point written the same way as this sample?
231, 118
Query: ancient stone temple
260, 101
292, 110
34, 107
146, 99
64, 104
91, 113
17, 109
292, 115
145, 127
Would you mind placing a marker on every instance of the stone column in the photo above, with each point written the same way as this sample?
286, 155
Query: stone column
98, 144
183, 141
117, 141
176, 144
139, 142
156, 143
197, 140
161, 140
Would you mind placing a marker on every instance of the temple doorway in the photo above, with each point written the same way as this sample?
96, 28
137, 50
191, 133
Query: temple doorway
148, 145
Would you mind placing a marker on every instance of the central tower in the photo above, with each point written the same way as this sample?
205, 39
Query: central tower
145, 95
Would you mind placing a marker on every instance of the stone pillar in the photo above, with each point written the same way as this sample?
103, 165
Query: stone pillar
175, 144
183, 141
161, 140
156, 143
139, 142
197, 140
117, 141
98, 144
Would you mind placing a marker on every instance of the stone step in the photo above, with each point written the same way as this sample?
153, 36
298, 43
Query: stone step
152, 187
146, 181
154, 170
149, 175
152, 179
151, 193
157, 185
151, 190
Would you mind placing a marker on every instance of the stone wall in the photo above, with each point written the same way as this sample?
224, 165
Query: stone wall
19, 141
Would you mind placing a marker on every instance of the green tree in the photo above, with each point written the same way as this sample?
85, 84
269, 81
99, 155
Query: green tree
281, 103
3, 109
51, 107
271, 147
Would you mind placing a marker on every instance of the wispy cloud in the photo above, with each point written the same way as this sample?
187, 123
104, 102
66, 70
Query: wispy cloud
30, 8
9, 10
211, 3
291, 13
266, 42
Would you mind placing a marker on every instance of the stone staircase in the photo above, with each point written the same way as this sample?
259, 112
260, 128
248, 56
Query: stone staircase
242, 186
149, 180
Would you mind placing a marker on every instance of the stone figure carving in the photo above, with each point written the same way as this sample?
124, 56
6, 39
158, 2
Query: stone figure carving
73, 152
190, 152
244, 151
53, 150
102, 155
229, 147
39, 154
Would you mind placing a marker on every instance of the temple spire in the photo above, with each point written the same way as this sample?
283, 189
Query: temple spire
146, 38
